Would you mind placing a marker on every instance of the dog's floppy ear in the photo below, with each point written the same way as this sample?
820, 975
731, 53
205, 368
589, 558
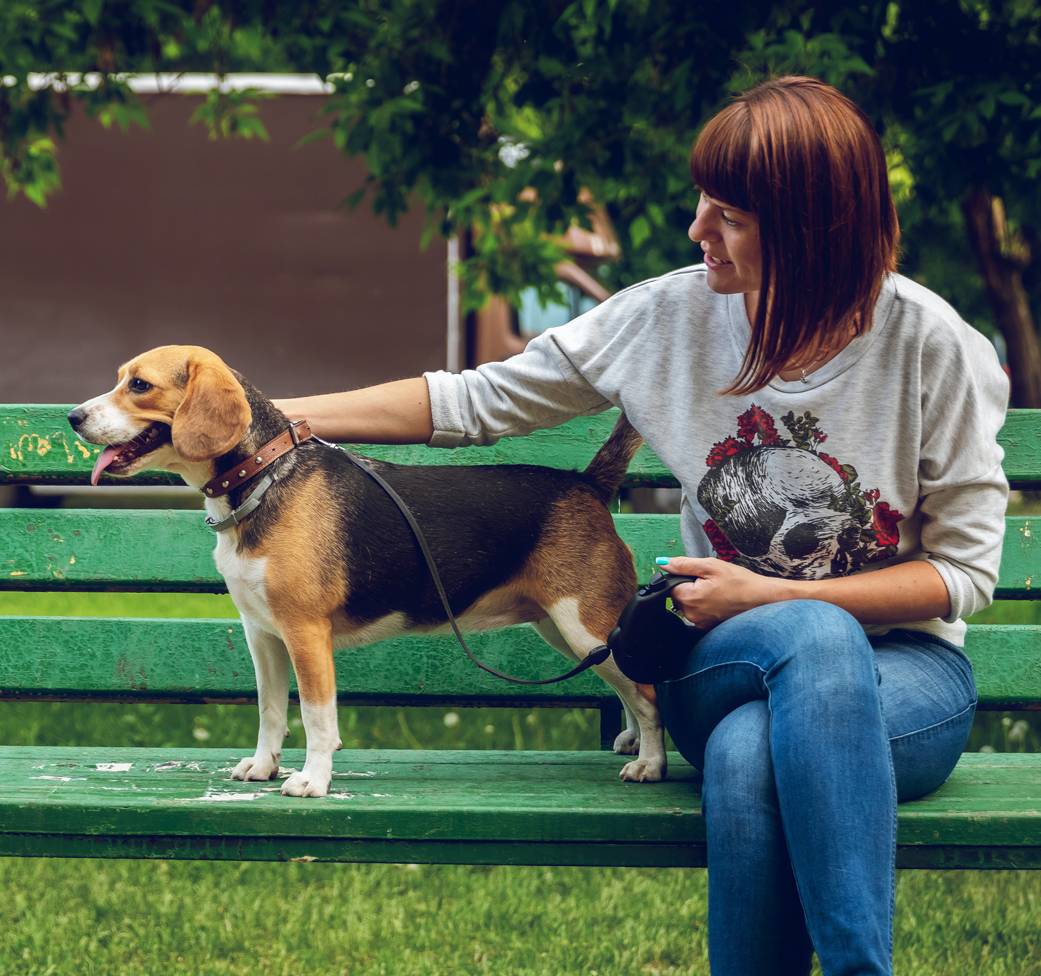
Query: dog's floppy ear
214, 414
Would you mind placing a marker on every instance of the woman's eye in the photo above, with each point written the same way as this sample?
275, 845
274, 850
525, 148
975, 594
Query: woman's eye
139, 386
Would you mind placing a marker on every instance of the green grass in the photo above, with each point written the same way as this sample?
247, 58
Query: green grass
88, 917
139, 917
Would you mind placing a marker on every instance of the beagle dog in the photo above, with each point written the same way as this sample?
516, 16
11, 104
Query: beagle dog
326, 560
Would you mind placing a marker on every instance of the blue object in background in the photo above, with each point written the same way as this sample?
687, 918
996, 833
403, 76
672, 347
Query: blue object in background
533, 318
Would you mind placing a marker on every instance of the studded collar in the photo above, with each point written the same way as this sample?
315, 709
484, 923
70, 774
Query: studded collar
236, 476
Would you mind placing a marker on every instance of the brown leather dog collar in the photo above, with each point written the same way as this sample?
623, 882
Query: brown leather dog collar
297, 432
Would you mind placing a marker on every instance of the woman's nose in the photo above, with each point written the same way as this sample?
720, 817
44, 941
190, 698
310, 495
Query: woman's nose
699, 229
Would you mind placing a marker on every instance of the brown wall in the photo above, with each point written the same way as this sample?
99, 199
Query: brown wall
163, 236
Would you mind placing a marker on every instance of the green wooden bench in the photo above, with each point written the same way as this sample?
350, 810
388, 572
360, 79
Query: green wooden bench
452, 806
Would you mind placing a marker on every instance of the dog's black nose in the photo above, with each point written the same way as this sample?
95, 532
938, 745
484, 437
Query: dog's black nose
76, 417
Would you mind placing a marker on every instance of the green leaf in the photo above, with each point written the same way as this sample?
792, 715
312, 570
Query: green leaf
316, 135
355, 197
639, 231
92, 11
1013, 98
37, 194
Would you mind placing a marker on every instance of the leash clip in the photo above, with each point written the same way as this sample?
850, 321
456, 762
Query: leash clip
239, 514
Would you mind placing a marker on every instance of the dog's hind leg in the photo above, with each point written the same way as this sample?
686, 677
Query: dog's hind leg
649, 766
627, 742
271, 663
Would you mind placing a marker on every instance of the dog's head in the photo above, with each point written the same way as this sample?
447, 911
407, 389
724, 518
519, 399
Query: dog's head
172, 406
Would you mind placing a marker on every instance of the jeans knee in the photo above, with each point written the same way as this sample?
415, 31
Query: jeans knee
827, 643
738, 770
815, 619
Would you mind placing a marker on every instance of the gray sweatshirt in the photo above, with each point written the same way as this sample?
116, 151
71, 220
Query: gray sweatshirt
888, 452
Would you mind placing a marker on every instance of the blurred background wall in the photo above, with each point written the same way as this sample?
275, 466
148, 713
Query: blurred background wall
164, 236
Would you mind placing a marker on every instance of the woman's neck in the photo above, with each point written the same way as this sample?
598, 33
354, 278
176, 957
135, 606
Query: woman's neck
842, 340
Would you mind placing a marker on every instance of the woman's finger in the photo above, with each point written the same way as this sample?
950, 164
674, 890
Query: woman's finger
686, 565
684, 593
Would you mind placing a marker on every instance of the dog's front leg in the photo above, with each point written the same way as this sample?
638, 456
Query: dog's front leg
271, 663
311, 651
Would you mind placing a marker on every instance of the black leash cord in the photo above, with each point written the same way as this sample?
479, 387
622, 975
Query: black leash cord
596, 656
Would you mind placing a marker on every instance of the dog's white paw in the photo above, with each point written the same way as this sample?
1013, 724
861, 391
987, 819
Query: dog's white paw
302, 784
257, 767
627, 743
643, 771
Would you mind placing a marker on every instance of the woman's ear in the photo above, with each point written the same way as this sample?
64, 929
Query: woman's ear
214, 414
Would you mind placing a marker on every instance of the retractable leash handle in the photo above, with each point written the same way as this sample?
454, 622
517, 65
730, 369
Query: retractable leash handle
651, 643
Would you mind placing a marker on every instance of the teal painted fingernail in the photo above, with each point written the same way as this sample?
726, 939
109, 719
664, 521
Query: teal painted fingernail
662, 560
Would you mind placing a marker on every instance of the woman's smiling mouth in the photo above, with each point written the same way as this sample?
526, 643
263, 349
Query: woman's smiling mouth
715, 263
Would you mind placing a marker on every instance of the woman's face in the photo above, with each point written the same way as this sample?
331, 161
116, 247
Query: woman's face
730, 239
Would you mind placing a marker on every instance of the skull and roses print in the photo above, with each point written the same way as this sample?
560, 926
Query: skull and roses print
781, 506
885, 453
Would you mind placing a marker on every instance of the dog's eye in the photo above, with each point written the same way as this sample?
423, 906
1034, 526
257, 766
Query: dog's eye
139, 386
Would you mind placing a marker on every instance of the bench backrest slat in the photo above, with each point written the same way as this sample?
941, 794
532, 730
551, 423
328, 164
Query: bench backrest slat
171, 551
37, 446
207, 660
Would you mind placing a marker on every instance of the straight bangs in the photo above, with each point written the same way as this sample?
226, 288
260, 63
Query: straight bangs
808, 164
721, 161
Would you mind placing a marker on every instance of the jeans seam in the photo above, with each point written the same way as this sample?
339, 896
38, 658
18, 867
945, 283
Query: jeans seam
935, 725
893, 839
712, 667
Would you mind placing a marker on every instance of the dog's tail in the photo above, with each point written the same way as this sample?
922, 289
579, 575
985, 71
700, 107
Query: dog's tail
607, 469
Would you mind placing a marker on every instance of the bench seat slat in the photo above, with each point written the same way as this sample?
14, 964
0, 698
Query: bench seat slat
37, 446
98, 549
478, 807
207, 660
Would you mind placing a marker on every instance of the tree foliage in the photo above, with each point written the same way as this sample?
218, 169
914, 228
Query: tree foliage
494, 116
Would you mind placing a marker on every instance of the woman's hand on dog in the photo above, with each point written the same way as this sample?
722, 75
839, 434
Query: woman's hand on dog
721, 591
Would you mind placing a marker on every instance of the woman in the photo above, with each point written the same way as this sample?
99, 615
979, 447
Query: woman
833, 426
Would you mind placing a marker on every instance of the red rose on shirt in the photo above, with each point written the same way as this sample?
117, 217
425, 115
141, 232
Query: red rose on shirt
723, 450
828, 459
883, 521
724, 550
755, 420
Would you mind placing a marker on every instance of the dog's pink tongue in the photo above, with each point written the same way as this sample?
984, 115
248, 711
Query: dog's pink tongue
105, 458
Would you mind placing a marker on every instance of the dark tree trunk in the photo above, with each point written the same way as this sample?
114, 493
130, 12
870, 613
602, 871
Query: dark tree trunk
1002, 259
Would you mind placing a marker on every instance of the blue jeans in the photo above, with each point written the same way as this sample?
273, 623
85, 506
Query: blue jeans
808, 733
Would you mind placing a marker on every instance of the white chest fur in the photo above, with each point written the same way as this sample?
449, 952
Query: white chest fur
245, 577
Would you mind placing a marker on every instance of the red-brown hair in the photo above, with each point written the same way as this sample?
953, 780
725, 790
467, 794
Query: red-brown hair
808, 164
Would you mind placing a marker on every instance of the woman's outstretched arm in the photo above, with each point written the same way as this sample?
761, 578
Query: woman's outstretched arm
390, 413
